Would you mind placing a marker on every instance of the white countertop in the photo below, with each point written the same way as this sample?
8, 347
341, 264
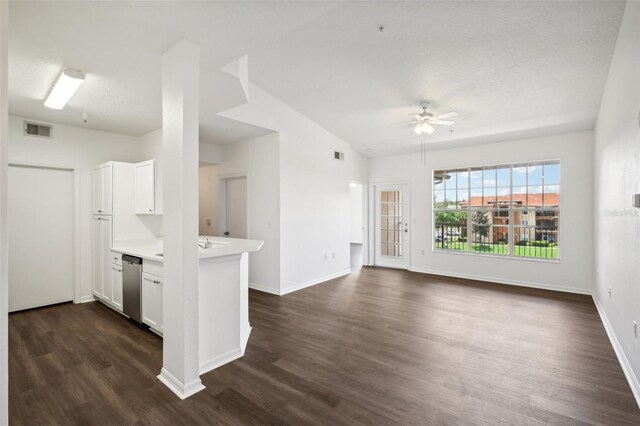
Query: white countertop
151, 249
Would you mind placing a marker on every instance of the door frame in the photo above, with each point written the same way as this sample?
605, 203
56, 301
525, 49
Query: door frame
373, 220
222, 200
77, 291
365, 220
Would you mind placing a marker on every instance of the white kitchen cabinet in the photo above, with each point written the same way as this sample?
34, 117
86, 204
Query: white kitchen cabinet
145, 187
96, 199
102, 199
101, 254
152, 301
116, 286
97, 257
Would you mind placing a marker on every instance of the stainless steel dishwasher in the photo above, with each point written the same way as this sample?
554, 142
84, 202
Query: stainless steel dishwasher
131, 286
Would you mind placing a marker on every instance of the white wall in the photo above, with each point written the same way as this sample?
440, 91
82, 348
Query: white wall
258, 159
357, 224
314, 191
576, 224
208, 196
79, 148
151, 147
617, 177
4, 254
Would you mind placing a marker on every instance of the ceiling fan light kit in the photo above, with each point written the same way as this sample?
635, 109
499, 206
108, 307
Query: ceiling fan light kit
424, 120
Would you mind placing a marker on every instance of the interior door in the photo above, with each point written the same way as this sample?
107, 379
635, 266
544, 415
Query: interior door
236, 205
392, 226
41, 232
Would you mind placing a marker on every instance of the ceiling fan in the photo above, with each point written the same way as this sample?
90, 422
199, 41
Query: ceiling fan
424, 120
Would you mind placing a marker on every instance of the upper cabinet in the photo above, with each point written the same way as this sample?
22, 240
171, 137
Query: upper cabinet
146, 188
102, 177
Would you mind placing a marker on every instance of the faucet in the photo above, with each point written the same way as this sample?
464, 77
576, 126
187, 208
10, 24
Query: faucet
207, 244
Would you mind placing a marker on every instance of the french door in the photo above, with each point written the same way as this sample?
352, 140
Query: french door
392, 226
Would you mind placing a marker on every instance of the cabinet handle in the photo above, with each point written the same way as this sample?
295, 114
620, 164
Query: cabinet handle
99, 211
150, 210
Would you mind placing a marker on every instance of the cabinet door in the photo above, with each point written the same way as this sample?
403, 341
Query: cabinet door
145, 187
107, 187
96, 190
116, 286
97, 256
106, 258
152, 301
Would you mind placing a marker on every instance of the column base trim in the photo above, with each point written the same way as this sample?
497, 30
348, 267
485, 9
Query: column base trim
183, 391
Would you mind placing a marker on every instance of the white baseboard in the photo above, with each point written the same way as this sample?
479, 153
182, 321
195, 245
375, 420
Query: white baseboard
622, 358
182, 390
244, 339
314, 282
541, 286
85, 299
220, 360
264, 289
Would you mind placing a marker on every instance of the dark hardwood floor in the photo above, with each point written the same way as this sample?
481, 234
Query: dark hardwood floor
377, 347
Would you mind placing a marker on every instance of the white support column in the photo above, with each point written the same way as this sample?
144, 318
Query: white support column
180, 120
4, 253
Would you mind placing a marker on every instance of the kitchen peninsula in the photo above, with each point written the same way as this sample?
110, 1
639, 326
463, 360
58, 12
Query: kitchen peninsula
223, 293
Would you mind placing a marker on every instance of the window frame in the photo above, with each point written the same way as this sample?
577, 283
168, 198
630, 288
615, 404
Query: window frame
525, 209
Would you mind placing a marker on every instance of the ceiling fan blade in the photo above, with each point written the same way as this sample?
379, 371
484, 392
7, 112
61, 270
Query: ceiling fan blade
428, 128
446, 115
442, 122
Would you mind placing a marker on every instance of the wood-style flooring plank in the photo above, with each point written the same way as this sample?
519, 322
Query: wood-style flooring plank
377, 347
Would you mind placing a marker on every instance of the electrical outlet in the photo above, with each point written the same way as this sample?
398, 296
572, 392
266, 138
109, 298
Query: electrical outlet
635, 329
422, 252
609, 292
326, 257
208, 222
333, 255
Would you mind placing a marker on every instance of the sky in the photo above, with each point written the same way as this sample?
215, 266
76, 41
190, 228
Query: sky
534, 178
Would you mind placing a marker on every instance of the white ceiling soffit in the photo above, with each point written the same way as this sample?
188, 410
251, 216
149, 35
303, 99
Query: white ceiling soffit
119, 46
511, 69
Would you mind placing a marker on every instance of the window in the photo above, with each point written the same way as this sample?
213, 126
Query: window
502, 210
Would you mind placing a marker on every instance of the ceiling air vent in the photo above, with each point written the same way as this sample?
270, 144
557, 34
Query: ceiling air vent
338, 155
36, 129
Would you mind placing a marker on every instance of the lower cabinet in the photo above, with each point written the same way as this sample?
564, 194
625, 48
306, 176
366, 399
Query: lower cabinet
152, 301
116, 286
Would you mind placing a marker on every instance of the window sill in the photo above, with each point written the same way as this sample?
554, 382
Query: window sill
495, 256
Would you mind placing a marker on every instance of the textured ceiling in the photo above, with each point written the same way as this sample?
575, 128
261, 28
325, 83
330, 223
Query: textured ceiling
119, 46
511, 69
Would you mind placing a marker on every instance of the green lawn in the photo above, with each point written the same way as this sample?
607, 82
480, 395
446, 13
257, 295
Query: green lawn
521, 251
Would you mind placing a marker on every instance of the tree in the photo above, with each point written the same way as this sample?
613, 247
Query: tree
480, 220
450, 217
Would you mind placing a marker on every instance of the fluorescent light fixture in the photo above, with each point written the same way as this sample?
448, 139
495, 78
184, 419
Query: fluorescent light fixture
63, 89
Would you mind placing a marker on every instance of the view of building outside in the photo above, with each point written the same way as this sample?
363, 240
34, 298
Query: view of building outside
509, 210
